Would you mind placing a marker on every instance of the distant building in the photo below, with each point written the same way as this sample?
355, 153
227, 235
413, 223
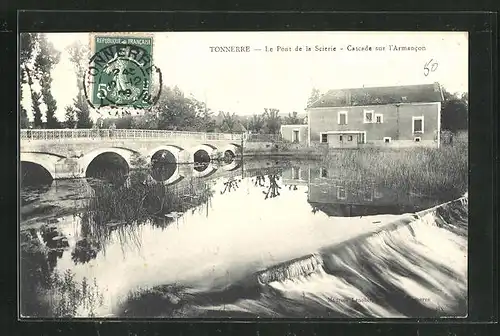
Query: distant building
395, 116
295, 133
399, 116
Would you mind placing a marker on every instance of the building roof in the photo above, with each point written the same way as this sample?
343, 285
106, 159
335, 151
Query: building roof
380, 95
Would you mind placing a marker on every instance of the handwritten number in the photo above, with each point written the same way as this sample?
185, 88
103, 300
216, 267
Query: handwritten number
433, 67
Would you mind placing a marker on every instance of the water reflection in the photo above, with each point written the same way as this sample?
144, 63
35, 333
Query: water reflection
273, 188
340, 196
191, 230
231, 184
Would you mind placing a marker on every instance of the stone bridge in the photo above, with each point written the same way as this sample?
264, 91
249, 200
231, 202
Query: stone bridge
68, 153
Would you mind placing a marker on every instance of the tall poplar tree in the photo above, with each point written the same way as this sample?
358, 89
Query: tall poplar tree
79, 56
27, 44
45, 61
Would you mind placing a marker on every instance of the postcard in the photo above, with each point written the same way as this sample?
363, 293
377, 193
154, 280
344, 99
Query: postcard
243, 175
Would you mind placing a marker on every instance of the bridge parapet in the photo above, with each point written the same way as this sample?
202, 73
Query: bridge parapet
65, 134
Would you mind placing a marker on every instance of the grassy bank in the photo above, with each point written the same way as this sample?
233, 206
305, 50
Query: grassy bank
428, 171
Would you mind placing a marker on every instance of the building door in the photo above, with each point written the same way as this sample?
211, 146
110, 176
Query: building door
295, 137
350, 140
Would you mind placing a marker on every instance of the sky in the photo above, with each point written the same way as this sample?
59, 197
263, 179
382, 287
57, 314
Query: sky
247, 82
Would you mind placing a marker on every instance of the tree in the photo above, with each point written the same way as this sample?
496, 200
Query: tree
256, 123
228, 123
79, 56
272, 120
454, 113
293, 119
175, 111
70, 117
47, 57
35, 101
147, 120
315, 95
27, 44
204, 121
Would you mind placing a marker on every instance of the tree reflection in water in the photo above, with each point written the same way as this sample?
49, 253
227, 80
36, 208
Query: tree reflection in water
273, 189
260, 180
232, 184
46, 292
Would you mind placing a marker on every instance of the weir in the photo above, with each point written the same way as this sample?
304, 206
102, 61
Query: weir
306, 265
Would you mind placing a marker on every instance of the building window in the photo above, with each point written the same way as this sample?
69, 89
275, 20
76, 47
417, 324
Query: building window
324, 137
379, 118
417, 139
323, 172
341, 193
418, 124
342, 118
295, 173
349, 138
368, 116
340, 137
387, 139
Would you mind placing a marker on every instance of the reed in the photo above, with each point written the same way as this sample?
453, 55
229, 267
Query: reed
430, 171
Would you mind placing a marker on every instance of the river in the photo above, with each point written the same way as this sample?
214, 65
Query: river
249, 239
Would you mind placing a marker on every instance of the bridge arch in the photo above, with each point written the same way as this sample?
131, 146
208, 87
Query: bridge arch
172, 149
204, 171
203, 153
47, 161
235, 164
121, 157
230, 152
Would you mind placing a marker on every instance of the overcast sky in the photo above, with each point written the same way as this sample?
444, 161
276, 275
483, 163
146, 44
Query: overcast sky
246, 83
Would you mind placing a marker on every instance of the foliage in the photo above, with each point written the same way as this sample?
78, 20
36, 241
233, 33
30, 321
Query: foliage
256, 123
35, 100
229, 123
35, 105
454, 113
27, 43
70, 117
79, 56
147, 120
67, 295
272, 121
315, 95
175, 110
47, 57
293, 119
125, 122
46, 293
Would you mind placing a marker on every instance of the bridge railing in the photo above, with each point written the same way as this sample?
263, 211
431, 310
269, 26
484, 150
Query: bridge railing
54, 134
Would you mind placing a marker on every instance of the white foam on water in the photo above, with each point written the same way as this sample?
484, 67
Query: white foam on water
423, 263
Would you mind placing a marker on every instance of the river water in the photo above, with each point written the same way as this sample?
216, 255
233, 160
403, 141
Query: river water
253, 239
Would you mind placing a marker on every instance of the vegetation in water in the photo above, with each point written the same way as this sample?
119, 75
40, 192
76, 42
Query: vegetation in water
45, 291
428, 171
